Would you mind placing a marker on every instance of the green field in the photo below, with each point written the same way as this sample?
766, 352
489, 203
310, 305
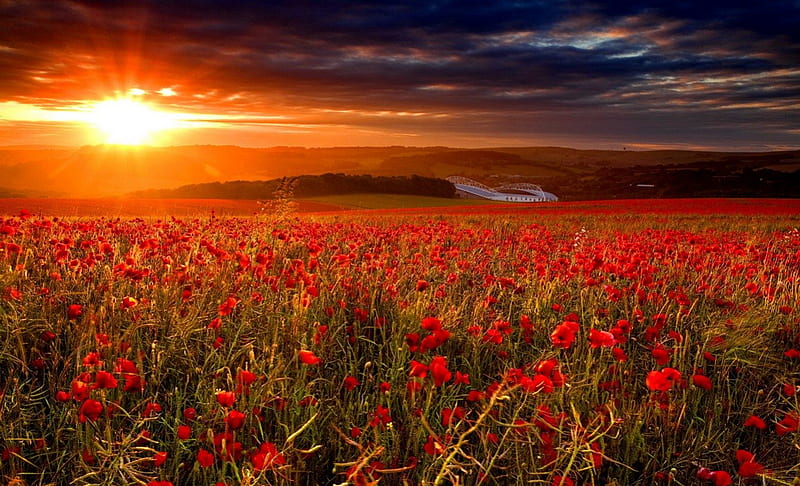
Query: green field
391, 201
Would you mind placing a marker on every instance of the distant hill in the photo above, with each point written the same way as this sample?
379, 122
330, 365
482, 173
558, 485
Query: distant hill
572, 174
307, 186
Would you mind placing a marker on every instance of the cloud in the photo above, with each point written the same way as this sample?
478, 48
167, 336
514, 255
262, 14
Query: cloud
488, 66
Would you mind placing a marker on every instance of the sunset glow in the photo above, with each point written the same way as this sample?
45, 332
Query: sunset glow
128, 122
585, 74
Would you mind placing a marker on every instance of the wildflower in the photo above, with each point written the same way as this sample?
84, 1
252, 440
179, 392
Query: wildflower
448, 414
184, 432
80, 390
439, 371
602, 339
91, 359
789, 423
702, 381
308, 357
754, 421
74, 311
461, 378
380, 417
227, 307
418, 369
234, 419
433, 447
133, 383
150, 409
564, 335
721, 478
91, 410
662, 380
226, 399
350, 383
189, 413
47, 336
128, 302
205, 458
267, 457
159, 458
748, 467
104, 379
87, 456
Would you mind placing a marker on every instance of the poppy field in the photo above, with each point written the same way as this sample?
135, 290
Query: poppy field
501, 345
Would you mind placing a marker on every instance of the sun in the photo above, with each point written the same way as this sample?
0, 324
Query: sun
125, 121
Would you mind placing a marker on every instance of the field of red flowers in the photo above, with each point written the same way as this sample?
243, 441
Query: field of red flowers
539, 347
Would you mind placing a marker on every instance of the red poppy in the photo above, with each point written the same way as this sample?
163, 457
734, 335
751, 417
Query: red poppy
128, 302
184, 432
750, 469
461, 378
702, 381
350, 383
754, 421
189, 413
661, 354
789, 423
234, 419
80, 390
433, 446
226, 399
721, 478
267, 457
74, 311
308, 357
150, 409
602, 339
431, 324
563, 335
418, 369
104, 379
439, 371
380, 417
133, 383
159, 458
90, 409
205, 458
662, 380
449, 415
227, 307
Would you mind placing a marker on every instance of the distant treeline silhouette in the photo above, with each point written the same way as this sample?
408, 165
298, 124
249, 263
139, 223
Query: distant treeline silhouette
308, 186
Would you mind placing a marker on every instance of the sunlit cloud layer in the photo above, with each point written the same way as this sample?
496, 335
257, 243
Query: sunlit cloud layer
680, 74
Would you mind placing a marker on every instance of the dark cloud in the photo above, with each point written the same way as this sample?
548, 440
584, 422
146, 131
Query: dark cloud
660, 71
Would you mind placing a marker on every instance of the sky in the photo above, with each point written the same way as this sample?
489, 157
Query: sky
607, 75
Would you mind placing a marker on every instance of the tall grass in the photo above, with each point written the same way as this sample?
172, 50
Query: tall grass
399, 349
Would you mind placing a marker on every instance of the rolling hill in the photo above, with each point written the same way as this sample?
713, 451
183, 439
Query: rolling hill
93, 171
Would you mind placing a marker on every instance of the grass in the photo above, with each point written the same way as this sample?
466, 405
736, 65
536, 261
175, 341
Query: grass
501, 348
